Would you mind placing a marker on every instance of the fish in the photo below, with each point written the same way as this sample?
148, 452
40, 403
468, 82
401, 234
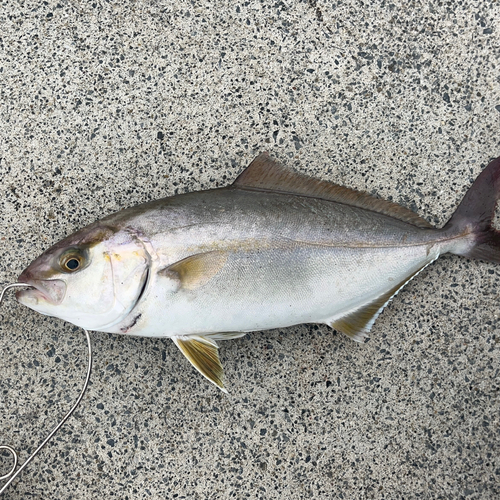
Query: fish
274, 249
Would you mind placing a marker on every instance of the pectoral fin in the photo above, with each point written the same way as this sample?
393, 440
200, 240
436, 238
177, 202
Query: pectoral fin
196, 270
358, 323
203, 354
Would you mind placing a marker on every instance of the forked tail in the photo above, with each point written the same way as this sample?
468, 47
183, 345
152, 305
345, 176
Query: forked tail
475, 213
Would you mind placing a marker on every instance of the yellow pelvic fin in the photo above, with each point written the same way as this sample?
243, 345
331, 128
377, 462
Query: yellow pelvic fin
266, 174
203, 354
358, 324
196, 270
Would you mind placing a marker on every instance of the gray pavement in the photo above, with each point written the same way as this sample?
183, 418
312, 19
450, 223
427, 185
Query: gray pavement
106, 105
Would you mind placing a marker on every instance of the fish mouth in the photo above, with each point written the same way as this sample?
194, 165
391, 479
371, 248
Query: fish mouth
48, 291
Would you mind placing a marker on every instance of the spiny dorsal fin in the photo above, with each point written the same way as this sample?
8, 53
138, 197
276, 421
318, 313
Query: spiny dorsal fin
203, 354
266, 174
196, 270
358, 324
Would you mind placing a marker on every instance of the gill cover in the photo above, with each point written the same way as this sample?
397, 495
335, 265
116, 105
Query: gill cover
123, 282
104, 274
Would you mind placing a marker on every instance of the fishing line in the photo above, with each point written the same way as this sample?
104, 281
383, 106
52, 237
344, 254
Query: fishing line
13, 473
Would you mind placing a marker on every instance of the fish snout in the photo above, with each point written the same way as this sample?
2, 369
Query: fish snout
25, 277
52, 291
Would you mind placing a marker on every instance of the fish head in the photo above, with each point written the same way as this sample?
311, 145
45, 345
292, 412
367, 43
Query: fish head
93, 278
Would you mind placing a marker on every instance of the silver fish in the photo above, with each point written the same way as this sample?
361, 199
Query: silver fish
274, 249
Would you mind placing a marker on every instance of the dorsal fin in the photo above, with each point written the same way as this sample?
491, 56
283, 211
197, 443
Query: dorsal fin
265, 174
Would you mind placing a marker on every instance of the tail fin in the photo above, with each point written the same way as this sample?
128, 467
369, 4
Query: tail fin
475, 213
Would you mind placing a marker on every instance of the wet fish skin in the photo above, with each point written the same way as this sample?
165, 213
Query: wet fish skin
275, 249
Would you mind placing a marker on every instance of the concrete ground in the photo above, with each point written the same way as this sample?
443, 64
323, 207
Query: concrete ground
104, 105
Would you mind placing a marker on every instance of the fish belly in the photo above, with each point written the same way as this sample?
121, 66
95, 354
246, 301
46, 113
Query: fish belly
260, 290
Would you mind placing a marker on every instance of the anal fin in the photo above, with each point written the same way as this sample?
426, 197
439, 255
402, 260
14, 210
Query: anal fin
357, 324
203, 354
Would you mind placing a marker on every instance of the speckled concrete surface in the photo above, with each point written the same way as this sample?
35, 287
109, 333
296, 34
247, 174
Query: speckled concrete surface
104, 105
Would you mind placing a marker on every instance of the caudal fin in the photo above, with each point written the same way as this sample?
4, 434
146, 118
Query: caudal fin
475, 213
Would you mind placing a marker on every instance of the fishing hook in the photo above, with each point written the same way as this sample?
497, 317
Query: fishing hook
13, 473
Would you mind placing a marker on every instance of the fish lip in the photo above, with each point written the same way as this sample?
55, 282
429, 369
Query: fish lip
51, 291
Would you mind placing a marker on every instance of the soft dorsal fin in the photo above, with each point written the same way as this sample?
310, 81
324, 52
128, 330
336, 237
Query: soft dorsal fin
265, 174
203, 354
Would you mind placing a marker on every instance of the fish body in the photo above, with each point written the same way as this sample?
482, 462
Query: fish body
269, 260
274, 249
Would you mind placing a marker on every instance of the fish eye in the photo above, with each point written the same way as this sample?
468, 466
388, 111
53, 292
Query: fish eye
71, 262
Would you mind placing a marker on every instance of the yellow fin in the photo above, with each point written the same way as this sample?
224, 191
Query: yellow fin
358, 323
203, 354
196, 270
266, 174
